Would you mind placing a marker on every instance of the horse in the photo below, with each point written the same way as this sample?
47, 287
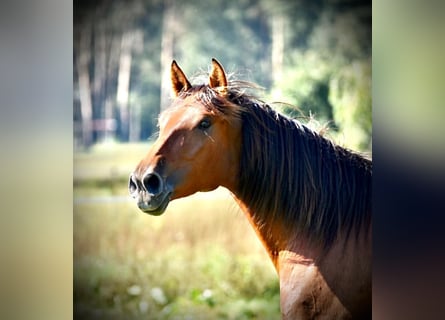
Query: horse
307, 198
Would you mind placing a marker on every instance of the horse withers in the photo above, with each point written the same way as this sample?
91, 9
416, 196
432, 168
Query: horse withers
308, 199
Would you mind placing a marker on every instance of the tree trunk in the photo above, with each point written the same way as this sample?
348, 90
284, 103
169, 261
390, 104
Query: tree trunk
100, 73
135, 123
277, 22
135, 108
113, 49
123, 83
84, 56
167, 51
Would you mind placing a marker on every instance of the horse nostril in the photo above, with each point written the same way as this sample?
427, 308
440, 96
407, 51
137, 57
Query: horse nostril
132, 185
153, 183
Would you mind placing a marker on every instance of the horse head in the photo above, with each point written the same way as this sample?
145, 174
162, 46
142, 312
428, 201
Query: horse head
198, 144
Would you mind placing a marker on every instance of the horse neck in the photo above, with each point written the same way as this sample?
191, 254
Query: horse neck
255, 195
278, 239
268, 238
281, 243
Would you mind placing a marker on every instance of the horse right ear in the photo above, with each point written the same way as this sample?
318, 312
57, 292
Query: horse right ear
179, 80
217, 78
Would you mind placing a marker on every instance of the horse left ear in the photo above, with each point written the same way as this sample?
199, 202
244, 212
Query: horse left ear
179, 80
217, 78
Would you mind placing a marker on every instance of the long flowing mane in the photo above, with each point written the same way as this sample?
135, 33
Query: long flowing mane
291, 173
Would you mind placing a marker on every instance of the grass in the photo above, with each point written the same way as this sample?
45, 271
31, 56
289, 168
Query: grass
108, 161
199, 260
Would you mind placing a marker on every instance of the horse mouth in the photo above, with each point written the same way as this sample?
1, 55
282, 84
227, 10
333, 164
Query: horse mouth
152, 193
155, 206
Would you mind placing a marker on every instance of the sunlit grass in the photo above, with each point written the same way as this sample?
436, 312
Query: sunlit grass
200, 258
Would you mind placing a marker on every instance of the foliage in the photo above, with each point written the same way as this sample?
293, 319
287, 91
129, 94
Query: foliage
322, 40
224, 30
330, 77
351, 98
305, 84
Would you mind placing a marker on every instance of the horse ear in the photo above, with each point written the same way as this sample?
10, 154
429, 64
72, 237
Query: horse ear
217, 78
179, 80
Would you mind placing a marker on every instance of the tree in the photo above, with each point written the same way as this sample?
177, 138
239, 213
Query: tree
301, 52
168, 37
351, 97
83, 37
329, 39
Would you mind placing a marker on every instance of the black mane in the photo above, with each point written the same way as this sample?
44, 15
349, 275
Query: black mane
292, 174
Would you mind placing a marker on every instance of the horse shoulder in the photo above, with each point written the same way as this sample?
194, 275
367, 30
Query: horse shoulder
304, 293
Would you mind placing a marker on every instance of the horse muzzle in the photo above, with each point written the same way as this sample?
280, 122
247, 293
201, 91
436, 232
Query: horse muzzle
151, 192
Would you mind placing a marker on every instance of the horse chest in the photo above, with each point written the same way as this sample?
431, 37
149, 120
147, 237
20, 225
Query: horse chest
304, 294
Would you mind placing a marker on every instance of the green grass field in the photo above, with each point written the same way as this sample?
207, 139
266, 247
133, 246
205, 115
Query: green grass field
199, 260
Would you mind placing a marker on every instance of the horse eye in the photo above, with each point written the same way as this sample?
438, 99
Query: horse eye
204, 124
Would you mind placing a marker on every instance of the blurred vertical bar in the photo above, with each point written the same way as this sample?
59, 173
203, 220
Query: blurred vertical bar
36, 93
409, 157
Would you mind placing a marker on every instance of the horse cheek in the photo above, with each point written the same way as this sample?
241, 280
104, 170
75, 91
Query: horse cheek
207, 164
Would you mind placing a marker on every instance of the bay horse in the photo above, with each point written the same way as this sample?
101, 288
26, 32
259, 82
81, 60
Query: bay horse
308, 199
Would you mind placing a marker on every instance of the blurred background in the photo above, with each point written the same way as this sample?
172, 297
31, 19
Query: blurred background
313, 54
201, 259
